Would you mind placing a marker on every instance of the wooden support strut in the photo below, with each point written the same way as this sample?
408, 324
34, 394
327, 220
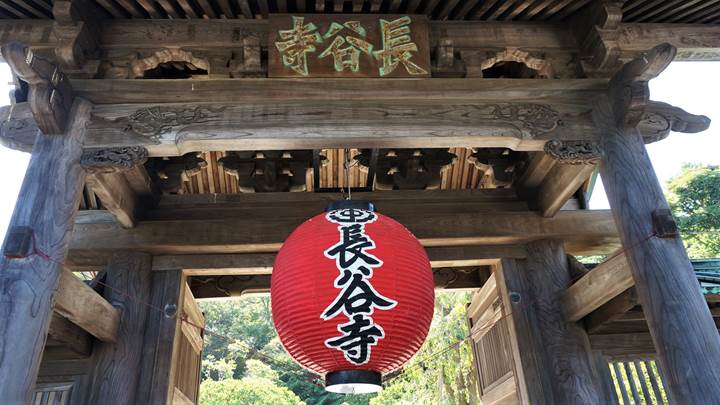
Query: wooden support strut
47, 203
118, 178
680, 323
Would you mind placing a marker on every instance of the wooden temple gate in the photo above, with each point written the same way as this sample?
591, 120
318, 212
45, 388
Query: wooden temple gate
193, 147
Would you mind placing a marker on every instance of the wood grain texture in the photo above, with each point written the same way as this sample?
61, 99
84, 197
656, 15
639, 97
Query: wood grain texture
249, 91
116, 367
85, 308
614, 309
597, 287
554, 354
685, 336
117, 197
583, 232
522, 123
47, 203
66, 334
157, 374
261, 263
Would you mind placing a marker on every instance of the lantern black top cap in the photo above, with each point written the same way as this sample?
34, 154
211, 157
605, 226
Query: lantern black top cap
345, 204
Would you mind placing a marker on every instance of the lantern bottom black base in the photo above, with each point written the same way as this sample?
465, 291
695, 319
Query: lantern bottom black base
353, 382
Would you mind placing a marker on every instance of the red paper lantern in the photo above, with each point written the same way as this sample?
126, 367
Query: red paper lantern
352, 296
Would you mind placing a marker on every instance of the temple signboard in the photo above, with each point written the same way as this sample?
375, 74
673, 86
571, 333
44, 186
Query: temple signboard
347, 45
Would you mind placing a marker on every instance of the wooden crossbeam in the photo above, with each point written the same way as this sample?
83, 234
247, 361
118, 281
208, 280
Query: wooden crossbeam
435, 224
205, 287
85, 308
597, 287
694, 42
262, 263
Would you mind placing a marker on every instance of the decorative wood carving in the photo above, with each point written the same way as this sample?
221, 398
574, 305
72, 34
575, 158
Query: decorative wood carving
269, 171
155, 121
172, 171
167, 55
503, 164
50, 95
17, 127
408, 169
537, 118
77, 32
111, 160
660, 118
574, 152
535, 62
629, 99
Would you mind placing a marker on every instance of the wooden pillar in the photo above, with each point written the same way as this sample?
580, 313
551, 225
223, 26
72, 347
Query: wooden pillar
685, 336
682, 329
42, 222
553, 364
157, 375
116, 366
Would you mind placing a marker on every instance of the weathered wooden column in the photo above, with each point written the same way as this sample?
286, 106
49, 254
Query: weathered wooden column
685, 336
41, 224
157, 375
553, 363
115, 373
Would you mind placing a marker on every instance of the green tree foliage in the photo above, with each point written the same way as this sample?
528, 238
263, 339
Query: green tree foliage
251, 352
249, 390
442, 372
694, 197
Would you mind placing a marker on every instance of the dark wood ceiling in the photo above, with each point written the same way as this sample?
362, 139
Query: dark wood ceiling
651, 11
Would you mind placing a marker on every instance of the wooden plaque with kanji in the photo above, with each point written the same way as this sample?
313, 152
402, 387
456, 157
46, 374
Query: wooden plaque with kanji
348, 45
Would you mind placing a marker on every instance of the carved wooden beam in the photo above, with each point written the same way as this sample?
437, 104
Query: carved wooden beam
628, 100
50, 95
274, 114
17, 127
77, 31
117, 176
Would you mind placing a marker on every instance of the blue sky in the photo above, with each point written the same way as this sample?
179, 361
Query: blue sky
693, 86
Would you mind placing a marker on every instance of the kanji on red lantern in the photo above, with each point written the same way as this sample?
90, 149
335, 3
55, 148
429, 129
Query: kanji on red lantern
352, 296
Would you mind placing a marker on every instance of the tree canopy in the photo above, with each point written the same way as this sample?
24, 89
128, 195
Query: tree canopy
694, 197
255, 369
